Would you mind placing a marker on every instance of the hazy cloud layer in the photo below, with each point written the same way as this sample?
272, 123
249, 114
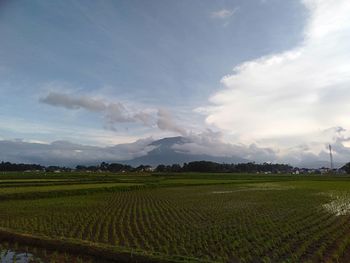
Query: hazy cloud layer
206, 143
289, 99
212, 143
114, 112
70, 154
166, 122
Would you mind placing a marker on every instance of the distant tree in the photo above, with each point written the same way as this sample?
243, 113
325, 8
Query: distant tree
104, 166
52, 168
117, 167
14, 167
202, 166
175, 168
161, 168
143, 168
81, 168
346, 168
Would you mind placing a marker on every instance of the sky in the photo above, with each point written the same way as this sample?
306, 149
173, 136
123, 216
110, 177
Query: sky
265, 79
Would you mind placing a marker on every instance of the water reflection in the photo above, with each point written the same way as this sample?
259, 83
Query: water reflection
10, 256
16, 253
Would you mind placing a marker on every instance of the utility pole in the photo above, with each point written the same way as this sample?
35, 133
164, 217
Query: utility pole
331, 157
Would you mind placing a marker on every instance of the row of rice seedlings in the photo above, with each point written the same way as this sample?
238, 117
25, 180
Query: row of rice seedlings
213, 227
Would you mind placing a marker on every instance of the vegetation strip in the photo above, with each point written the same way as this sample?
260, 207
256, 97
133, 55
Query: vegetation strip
213, 217
96, 250
58, 193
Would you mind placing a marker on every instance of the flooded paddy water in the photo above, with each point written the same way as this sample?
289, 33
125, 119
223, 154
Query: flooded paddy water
15, 253
9, 256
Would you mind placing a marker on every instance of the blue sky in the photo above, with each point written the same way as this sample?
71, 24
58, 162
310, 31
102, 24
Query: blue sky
171, 62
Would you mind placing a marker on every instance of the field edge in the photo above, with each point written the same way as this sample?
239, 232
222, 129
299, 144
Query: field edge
95, 250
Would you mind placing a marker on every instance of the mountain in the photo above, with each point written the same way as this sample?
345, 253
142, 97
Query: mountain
164, 153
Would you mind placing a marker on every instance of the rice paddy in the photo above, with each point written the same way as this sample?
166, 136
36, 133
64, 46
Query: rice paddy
184, 217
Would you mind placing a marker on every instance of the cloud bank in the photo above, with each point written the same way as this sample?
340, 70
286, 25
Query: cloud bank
287, 100
115, 112
166, 122
212, 143
201, 146
70, 154
65, 153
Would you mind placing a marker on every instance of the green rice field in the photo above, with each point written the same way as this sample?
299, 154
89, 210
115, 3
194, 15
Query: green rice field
179, 217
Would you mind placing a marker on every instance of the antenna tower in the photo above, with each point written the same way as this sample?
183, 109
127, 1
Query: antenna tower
331, 157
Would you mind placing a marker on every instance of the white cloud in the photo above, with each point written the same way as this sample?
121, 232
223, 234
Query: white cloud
223, 13
292, 97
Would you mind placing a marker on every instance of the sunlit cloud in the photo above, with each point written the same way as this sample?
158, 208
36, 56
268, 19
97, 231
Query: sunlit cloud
295, 94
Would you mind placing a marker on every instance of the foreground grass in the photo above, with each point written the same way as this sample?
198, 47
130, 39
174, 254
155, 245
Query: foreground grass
190, 217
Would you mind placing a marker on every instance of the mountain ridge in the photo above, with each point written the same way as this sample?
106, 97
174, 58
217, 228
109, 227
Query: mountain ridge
164, 153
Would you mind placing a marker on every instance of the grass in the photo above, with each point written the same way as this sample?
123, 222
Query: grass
185, 217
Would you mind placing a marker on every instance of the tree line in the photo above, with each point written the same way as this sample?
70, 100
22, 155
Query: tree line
196, 166
206, 166
19, 167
